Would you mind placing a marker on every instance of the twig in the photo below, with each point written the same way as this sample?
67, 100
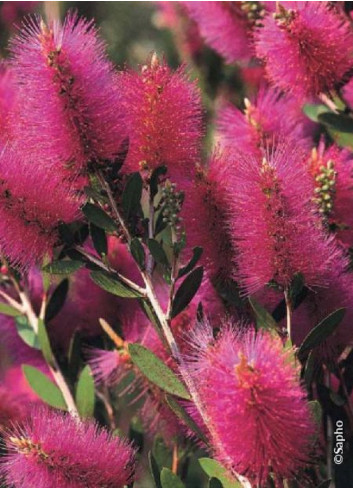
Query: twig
12, 302
289, 313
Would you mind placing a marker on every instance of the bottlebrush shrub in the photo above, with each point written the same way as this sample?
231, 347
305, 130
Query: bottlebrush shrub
29, 220
66, 67
306, 47
253, 382
7, 100
274, 224
163, 116
270, 117
47, 451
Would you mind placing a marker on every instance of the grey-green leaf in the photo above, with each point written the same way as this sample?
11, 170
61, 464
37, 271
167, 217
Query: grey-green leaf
99, 217
184, 416
264, 320
169, 479
63, 267
337, 122
57, 300
156, 371
157, 252
8, 310
114, 286
44, 343
132, 195
322, 331
85, 393
26, 332
313, 111
187, 290
214, 469
44, 387
99, 239
196, 255
138, 252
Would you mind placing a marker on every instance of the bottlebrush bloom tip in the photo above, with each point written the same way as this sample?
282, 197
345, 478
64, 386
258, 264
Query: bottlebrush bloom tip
306, 47
250, 379
163, 115
52, 449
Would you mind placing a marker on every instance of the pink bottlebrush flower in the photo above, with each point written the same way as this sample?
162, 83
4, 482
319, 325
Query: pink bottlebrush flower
163, 115
332, 170
65, 67
273, 222
306, 46
225, 26
204, 215
29, 210
53, 449
272, 116
257, 416
347, 93
7, 100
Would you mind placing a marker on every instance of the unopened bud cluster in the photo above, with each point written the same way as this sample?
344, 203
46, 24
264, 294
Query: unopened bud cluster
325, 188
171, 204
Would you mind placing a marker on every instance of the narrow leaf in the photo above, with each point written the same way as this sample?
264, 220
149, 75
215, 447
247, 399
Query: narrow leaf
57, 300
214, 482
138, 252
264, 320
214, 469
99, 239
169, 479
157, 252
156, 371
97, 216
154, 469
8, 310
184, 416
322, 331
338, 122
45, 343
197, 252
111, 284
63, 267
44, 387
85, 393
26, 332
154, 180
313, 111
132, 195
187, 290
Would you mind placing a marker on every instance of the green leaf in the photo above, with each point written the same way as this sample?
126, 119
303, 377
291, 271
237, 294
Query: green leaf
184, 416
8, 310
85, 393
45, 343
138, 252
313, 111
157, 252
156, 371
132, 195
154, 180
114, 286
187, 290
57, 300
264, 320
337, 122
44, 387
63, 267
97, 216
316, 411
342, 139
309, 369
322, 331
214, 469
26, 332
99, 239
197, 253
214, 482
154, 469
169, 479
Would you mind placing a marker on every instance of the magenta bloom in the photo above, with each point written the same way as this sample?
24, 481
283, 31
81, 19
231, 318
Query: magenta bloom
270, 117
30, 211
66, 69
163, 116
55, 450
273, 222
13, 407
204, 213
307, 47
7, 100
225, 26
332, 170
257, 415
